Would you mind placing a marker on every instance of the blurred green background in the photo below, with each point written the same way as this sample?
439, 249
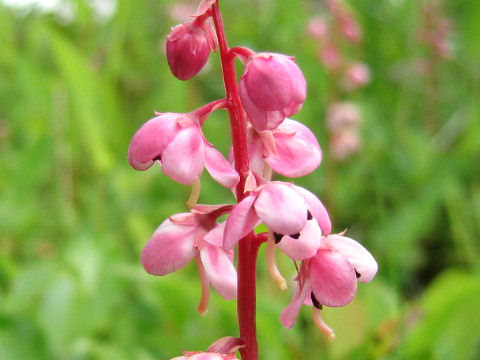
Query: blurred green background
75, 85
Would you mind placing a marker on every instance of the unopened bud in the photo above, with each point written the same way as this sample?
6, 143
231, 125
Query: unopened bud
188, 50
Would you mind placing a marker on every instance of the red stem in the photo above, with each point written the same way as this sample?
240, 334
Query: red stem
248, 247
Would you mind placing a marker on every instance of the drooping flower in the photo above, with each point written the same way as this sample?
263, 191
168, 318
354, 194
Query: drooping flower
284, 208
272, 88
187, 50
291, 149
196, 234
177, 142
190, 43
330, 277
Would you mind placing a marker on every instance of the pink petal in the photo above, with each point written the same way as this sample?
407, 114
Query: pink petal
170, 248
206, 356
242, 220
261, 119
255, 152
183, 158
290, 314
220, 169
317, 209
186, 219
296, 155
215, 236
220, 271
226, 345
356, 254
306, 245
333, 278
203, 209
204, 6
281, 208
151, 139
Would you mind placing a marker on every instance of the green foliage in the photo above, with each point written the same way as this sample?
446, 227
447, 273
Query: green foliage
74, 216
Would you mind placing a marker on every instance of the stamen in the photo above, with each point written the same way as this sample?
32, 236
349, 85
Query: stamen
195, 194
267, 172
203, 306
272, 264
296, 266
322, 325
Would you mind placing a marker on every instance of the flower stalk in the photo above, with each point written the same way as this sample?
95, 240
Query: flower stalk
248, 248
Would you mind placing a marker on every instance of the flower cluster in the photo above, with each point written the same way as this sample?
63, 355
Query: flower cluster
265, 141
333, 31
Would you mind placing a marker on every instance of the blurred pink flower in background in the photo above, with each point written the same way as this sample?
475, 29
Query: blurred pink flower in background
345, 144
342, 116
317, 28
435, 30
343, 122
181, 11
348, 26
356, 75
331, 56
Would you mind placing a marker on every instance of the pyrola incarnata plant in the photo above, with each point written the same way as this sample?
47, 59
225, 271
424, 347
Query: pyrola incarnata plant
264, 141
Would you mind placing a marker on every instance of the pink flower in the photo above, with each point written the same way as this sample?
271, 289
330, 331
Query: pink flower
271, 88
291, 149
176, 141
330, 277
188, 48
182, 237
291, 213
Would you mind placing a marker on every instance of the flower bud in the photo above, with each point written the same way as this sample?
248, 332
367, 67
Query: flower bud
188, 49
271, 88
